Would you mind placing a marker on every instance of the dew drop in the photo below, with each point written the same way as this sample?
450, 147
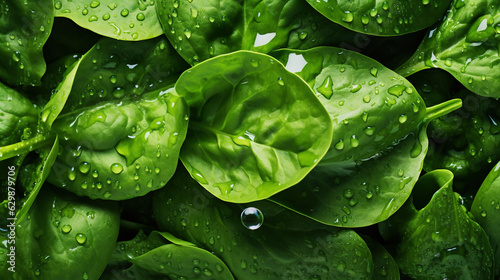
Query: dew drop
354, 141
366, 98
81, 238
72, 174
348, 16
302, 35
403, 118
84, 167
369, 130
95, 4
365, 19
66, 229
124, 12
326, 88
340, 145
252, 218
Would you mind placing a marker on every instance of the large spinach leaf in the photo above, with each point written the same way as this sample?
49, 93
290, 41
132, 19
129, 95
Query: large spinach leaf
202, 29
438, 240
466, 44
63, 231
388, 18
255, 128
274, 251
379, 141
123, 20
24, 29
121, 128
486, 210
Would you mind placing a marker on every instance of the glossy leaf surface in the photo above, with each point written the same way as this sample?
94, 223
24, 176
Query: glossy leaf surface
386, 18
379, 140
465, 44
25, 27
255, 128
486, 210
439, 240
273, 251
203, 29
120, 132
63, 230
123, 20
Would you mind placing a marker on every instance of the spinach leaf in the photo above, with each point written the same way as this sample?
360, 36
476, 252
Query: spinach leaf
63, 231
485, 209
385, 267
255, 128
465, 44
18, 116
121, 127
124, 20
270, 252
379, 142
25, 27
159, 255
387, 18
203, 29
438, 240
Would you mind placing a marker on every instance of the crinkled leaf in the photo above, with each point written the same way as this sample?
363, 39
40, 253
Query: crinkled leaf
466, 44
123, 20
25, 27
272, 251
386, 18
122, 127
63, 230
486, 210
255, 128
378, 144
439, 240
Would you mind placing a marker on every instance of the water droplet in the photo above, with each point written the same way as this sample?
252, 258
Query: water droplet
354, 141
72, 174
93, 18
106, 17
140, 17
66, 229
187, 32
81, 238
211, 19
340, 145
403, 118
483, 214
348, 193
366, 98
85, 12
348, 16
396, 90
369, 130
281, 82
374, 71
124, 12
252, 218
355, 88
95, 174
425, 2
326, 88
58, 5
84, 167
95, 4
302, 35
365, 19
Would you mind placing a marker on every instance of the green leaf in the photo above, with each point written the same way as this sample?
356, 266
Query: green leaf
153, 257
255, 128
63, 230
486, 210
379, 140
386, 18
18, 118
25, 27
439, 240
385, 267
465, 44
38, 178
122, 126
130, 20
203, 29
273, 251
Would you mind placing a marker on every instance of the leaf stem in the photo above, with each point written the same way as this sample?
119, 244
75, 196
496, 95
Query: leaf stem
442, 109
26, 146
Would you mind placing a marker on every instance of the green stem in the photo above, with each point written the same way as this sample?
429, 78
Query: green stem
412, 65
442, 109
26, 146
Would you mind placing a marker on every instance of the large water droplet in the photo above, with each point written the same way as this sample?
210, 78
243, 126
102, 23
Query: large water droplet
116, 168
252, 218
326, 88
81, 238
66, 229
